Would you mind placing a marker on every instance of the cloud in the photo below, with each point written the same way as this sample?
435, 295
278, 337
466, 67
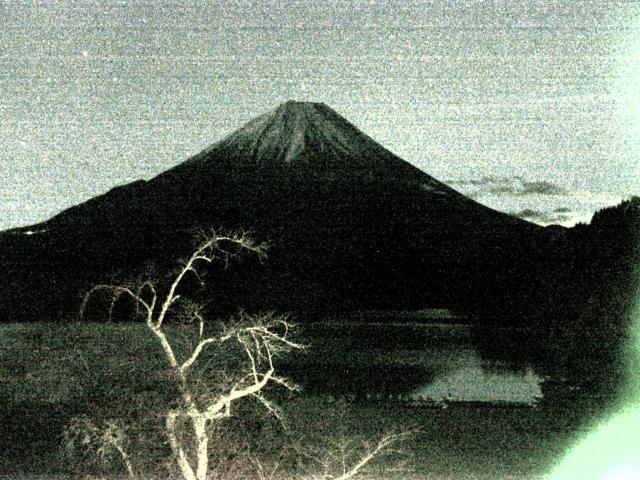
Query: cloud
539, 201
484, 180
514, 186
544, 217
542, 188
528, 213
562, 210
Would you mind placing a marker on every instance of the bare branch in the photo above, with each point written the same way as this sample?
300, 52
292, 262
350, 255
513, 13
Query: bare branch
268, 333
196, 353
379, 448
204, 258
286, 383
247, 350
148, 285
114, 300
203, 254
166, 346
189, 312
117, 291
225, 400
196, 274
268, 405
262, 472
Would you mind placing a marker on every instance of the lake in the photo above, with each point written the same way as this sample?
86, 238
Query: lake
413, 361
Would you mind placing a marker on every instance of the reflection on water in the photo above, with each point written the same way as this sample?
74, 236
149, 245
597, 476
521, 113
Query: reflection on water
419, 362
468, 380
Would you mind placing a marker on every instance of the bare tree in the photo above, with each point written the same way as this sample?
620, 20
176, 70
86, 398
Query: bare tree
106, 438
345, 456
259, 338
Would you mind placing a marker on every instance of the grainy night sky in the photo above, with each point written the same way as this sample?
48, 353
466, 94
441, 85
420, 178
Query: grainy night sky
531, 106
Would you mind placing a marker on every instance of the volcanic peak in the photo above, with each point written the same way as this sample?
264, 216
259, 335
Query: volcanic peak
307, 138
294, 130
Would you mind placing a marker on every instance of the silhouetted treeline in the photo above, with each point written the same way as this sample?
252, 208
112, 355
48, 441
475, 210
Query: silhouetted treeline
588, 285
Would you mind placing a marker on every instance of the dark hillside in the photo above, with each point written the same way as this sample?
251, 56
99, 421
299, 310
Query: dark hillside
588, 290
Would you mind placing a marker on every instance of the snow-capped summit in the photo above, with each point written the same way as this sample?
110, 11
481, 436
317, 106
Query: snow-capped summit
308, 139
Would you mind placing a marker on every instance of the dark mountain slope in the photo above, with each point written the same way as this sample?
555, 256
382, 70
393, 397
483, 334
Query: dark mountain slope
350, 225
591, 288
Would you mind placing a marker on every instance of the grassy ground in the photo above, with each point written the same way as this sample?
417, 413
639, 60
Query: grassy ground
50, 373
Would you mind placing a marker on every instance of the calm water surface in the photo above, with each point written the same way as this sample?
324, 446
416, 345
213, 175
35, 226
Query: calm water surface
420, 362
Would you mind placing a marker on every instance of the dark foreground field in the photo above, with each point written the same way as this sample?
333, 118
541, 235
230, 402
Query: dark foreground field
51, 373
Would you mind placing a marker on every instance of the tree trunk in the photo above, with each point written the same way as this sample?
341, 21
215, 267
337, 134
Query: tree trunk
181, 458
202, 455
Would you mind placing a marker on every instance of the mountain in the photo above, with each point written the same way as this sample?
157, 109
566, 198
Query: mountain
350, 225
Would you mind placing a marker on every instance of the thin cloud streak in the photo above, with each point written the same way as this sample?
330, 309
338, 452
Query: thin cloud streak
515, 185
540, 201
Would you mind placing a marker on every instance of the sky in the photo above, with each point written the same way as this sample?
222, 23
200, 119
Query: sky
530, 107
